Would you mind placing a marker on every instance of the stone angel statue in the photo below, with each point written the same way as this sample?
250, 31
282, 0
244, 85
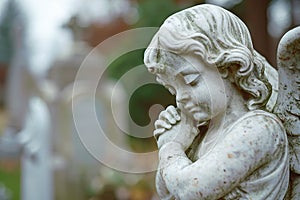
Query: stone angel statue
234, 132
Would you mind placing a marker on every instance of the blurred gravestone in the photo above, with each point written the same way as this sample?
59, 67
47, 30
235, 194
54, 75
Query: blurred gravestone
76, 169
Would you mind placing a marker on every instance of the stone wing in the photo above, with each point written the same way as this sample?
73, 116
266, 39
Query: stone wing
287, 107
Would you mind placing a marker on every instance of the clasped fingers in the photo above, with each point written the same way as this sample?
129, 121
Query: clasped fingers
170, 115
166, 120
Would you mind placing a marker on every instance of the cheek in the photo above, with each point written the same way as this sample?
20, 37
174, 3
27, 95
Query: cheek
218, 99
201, 94
212, 95
202, 98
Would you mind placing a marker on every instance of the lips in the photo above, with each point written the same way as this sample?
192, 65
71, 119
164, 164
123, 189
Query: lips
198, 112
192, 108
189, 106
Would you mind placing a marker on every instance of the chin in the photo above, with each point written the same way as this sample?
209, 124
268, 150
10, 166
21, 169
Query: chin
201, 118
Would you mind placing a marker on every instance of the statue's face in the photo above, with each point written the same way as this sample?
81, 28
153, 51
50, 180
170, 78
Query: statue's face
198, 88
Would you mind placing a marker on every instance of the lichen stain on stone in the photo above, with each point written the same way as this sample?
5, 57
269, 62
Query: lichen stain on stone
230, 155
200, 194
284, 58
195, 182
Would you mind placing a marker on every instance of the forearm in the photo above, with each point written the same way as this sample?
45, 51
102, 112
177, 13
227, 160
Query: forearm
186, 180
161, 187
172, 160
172, 153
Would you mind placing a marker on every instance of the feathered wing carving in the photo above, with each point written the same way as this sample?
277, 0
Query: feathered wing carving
287, 107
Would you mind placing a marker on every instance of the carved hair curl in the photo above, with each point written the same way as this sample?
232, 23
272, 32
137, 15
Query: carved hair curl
219, 38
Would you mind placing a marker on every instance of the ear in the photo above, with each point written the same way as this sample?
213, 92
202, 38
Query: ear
229, 71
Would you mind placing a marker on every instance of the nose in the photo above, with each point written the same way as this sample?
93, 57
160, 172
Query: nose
182, 98
184, 103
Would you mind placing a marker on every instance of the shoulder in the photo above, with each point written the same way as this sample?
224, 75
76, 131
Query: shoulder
261, 128
260, 120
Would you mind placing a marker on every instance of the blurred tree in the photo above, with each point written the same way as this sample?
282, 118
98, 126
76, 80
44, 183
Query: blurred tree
257, 22
295, 12
154, 12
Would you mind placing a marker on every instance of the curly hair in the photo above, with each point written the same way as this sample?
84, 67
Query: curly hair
219, 38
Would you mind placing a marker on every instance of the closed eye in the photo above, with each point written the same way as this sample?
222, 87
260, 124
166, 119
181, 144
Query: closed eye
191, 79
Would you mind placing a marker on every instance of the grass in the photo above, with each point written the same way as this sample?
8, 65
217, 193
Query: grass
9, 169
10, 177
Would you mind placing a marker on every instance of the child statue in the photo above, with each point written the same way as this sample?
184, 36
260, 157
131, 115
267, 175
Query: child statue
226, 138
